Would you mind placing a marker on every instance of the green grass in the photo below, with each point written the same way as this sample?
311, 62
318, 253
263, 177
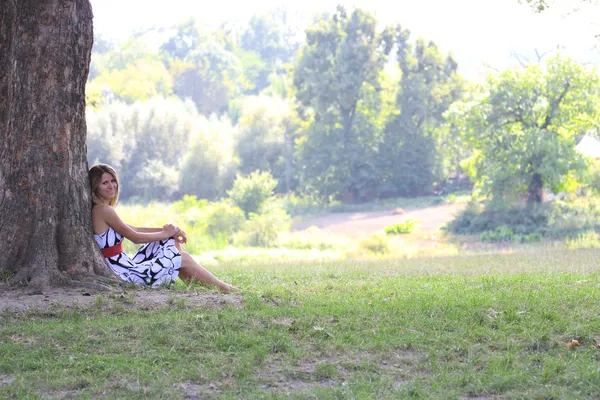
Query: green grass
487, 325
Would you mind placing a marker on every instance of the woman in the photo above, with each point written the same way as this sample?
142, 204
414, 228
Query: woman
160, 260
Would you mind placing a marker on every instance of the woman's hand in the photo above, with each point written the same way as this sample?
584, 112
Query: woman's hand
180, 237
170, 230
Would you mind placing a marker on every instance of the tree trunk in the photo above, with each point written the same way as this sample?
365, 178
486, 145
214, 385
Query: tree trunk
45, 202
535, 190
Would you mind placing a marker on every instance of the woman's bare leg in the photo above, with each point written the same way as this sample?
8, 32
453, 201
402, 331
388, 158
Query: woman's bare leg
190, 270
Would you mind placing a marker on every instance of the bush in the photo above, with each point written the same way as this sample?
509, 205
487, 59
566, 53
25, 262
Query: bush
188, 203
375, 244
223, 219
404, 227
476, 219
301, 205
585, 240
251, 193
505, 234
557, 219
262, 230
500, 234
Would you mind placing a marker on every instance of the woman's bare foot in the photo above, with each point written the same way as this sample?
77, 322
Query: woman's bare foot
227, 288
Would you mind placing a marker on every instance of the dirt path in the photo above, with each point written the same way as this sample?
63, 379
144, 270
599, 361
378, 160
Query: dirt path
365, 223
56, 300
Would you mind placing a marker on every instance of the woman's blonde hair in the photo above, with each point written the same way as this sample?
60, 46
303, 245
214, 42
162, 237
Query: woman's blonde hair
95, 174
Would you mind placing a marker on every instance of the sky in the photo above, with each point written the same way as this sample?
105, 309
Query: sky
484, 35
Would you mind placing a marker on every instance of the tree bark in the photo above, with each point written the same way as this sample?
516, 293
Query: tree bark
45, 202
535, 190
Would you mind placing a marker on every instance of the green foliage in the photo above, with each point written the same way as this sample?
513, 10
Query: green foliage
338, 82
505, 234
155, 180
219, 220
592, 177
251, 193
375, 244
523, 128
145, 141
403, 227
5, 275
295, 205
273, 40
585, 240
210, 75
187, 203
189, 35
409, 160
210, 163
223, 219
557, 219
138, 81
267, 130
262, 230
521, 220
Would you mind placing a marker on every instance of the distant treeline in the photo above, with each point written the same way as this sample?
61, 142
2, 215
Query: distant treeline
344, 111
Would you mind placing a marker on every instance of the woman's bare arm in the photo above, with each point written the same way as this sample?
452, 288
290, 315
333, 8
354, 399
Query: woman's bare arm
110, 217
144, 230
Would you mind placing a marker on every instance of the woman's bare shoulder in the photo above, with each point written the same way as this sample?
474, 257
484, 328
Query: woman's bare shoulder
102, 209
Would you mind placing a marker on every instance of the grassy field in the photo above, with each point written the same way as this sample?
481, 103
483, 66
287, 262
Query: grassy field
472, 326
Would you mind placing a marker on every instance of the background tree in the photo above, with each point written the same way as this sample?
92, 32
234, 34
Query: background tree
138, 81
45, 205
339, 68
267, 130
210, 163
410, 162
525, 127
203, 68
274, 40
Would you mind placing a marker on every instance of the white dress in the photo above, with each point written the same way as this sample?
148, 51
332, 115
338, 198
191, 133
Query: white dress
154, 264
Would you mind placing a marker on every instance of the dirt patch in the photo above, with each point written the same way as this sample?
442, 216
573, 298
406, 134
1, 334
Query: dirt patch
22, 300
6, 380
286, 377
277, 376
194, 391
366, 223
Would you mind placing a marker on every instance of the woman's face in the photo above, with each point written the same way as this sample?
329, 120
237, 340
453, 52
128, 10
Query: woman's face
108, 187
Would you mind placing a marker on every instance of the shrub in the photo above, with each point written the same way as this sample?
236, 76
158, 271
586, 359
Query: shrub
250, 193
585, 240
375, 244
187, 203
223, 219
262, 230
500, 234
404, 227
505, 234
301, 205
476, 219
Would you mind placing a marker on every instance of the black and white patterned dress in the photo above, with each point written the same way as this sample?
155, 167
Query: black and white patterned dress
155, 263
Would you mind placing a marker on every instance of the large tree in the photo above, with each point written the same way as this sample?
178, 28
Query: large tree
525, 125
338, 78
45, 201
410, 161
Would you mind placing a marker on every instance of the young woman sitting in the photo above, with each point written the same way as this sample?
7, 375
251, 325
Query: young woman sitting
160, 260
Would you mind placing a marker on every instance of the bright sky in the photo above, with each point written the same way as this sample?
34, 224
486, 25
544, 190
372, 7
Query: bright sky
478, 32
